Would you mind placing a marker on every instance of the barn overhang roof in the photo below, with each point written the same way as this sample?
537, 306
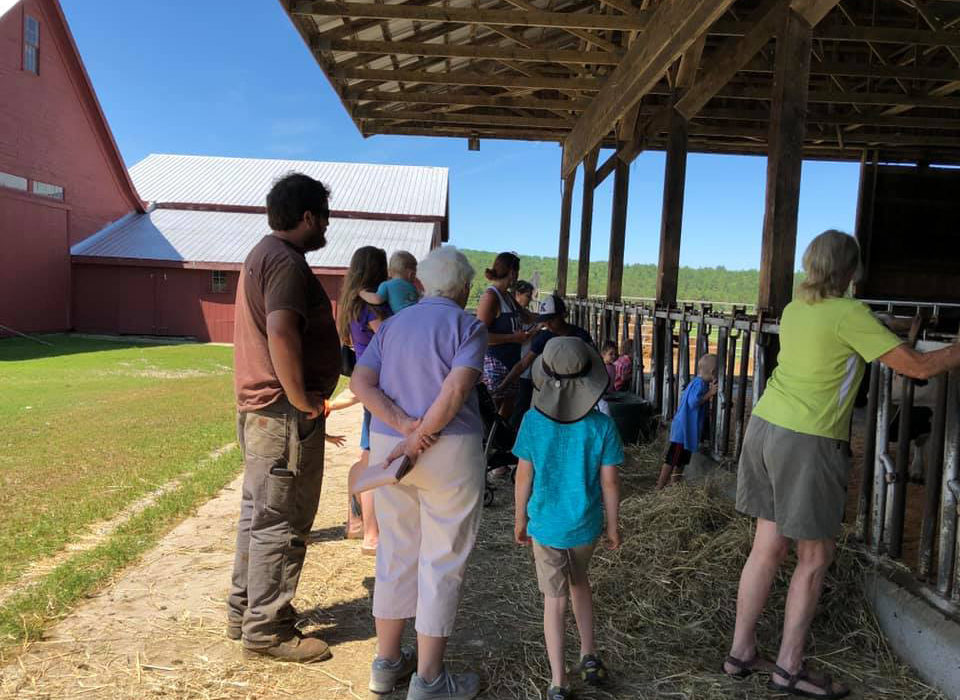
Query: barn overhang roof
885, 74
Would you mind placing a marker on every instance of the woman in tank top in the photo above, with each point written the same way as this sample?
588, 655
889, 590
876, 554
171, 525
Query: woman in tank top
499, 312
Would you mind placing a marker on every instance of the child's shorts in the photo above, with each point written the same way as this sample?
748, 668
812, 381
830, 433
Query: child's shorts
558, 568
365, 430
677, 456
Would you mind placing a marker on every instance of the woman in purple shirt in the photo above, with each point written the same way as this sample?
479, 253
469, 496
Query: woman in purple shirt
418, 378
357, 321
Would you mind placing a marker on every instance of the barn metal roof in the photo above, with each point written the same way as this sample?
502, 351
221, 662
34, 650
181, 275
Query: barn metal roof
177, 235
401, 190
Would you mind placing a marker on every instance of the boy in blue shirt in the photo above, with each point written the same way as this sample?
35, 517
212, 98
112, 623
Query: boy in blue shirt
398, 292
689, 418
567, 476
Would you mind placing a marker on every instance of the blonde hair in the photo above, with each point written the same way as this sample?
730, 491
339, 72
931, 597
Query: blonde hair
831, 262
400, 262
707, 364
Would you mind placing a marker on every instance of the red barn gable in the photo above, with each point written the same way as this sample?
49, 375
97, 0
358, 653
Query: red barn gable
61, 175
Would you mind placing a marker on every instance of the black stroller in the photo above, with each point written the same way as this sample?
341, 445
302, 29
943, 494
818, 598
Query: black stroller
498, 439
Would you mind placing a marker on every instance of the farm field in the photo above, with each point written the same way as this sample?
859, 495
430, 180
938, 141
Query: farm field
88, 428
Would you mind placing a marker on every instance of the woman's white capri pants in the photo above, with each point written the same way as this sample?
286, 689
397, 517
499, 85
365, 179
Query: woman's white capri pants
428, 525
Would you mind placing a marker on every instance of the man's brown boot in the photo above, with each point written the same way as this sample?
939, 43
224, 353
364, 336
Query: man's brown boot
301, 650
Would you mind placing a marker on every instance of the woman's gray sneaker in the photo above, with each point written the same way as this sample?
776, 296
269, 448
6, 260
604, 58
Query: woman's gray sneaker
385, 675
448, 686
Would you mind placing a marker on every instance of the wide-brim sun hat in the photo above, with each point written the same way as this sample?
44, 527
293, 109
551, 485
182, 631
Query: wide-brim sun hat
568, 379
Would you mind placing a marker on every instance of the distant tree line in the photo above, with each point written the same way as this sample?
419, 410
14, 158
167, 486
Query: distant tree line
716, 284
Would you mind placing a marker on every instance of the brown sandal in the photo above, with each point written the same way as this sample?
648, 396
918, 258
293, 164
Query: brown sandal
824, 682
744, 668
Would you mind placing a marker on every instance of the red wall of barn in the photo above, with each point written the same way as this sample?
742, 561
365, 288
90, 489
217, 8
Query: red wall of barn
48, 134
159, 301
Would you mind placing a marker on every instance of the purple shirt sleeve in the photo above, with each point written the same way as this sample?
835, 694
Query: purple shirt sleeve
473, 346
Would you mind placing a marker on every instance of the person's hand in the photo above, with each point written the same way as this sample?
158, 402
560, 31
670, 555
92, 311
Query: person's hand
412, 447
523, 336
338, 440
613, 540
712, 391
520, 535
309, 408
407, 425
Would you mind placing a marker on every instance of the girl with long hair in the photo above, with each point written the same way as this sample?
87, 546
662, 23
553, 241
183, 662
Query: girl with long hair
357, 321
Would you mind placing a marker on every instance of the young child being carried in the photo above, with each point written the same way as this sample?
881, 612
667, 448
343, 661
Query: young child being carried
685, 429
567, 477
399, 291
623, 367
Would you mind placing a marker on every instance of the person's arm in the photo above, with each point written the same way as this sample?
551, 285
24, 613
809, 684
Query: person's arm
487, 309
454, 391
345, 399
286, 355
365, 383
371, 297
708, 394
921, 365
519, 368
610, 488
521, 492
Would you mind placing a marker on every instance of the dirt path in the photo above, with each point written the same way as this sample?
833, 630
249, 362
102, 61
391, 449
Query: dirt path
158, 631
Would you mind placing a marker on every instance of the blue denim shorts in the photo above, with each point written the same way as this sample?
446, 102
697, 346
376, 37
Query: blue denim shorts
365, 431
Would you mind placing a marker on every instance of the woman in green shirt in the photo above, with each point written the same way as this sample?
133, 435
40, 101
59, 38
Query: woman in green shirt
794, 464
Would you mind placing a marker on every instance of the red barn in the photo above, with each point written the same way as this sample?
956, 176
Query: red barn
61, 176
172, 270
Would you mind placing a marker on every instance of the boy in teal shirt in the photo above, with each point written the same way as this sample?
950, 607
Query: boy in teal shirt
399, 291
567, 476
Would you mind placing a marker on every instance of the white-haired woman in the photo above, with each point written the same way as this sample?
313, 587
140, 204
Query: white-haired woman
418, 379
795, 459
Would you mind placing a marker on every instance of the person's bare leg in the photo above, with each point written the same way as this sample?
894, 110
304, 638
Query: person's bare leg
389, 634
768, 552
664, 479
371, 531
430, 652
554, 612
581, 599
813, 559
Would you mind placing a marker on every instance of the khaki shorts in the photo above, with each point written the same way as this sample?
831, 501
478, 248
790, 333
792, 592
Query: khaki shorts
558, 568
796, 480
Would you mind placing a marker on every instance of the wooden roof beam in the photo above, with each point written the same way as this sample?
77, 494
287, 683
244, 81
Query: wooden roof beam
381, 115
467, 131
466, 78
465, 15
455, 98
673, 27
384, 48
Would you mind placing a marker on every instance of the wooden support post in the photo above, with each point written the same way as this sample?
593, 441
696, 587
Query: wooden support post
784, 165
618, 231
671, 219
586, 223
563, 255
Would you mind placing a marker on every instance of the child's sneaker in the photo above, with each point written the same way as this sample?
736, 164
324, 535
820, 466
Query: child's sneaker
556, 692
446, 686
592, 670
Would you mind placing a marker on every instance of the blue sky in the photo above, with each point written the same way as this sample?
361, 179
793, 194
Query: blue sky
233, 78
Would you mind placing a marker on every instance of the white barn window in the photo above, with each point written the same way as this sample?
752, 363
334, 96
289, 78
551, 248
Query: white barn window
14, 182
46, 190
218, 281
31, 45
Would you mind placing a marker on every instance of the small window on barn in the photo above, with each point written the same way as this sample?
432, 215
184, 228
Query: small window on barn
218, 281
14, 182
46, 190
31, 45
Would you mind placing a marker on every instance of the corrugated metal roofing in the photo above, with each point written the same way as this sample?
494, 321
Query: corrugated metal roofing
356, 187
224, 237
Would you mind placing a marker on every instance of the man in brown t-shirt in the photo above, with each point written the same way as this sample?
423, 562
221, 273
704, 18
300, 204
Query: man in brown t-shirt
287, 362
